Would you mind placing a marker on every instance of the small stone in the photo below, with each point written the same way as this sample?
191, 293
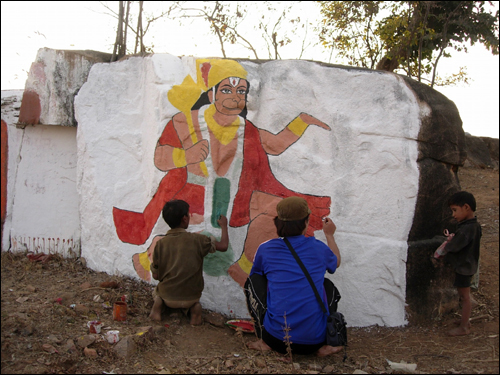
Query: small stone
296, 366
70, 346
259, 362
328, 369
86, 285
359, 372
314, 367
167, 343
81, 309
49, 348
54, 339
126, 347
31, 288
90, 353
229, 364
86, 340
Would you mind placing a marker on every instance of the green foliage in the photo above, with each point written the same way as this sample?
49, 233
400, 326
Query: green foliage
406, 35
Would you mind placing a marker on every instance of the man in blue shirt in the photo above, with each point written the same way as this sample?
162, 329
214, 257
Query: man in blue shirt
293, 315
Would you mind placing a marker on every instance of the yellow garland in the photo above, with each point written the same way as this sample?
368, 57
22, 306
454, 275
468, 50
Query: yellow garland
224, 134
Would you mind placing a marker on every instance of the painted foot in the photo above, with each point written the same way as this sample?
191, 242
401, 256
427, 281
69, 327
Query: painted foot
328, 350
459, 331
142, 265
258, 345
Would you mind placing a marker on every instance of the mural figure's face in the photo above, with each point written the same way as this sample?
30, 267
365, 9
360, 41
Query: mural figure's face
230, 98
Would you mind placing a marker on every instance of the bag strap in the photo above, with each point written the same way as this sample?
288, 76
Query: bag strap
305, 273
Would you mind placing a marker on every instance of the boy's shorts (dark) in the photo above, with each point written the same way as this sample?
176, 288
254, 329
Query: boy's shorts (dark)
462, 281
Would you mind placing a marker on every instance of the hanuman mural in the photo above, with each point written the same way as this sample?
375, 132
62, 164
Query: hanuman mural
205, 147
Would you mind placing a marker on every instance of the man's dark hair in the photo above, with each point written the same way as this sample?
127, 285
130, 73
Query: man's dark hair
461, 198
290, 228
174, 211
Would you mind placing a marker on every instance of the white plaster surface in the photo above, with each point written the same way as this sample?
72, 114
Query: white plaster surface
42, 201
367, 164
11, 103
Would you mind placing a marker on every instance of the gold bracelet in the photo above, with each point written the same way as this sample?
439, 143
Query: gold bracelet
179, 157
298, 126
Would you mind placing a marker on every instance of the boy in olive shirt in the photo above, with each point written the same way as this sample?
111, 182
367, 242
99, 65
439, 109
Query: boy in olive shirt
178, 262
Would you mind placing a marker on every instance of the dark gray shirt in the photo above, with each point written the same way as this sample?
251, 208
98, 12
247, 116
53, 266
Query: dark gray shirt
463, 249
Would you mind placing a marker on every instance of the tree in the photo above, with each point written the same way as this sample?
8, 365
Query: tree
407, 35
230, 22
125, 17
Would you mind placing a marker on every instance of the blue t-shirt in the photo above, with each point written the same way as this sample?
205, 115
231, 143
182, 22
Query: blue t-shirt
288, 291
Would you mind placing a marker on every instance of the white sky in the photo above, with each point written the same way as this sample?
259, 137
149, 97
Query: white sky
28, 26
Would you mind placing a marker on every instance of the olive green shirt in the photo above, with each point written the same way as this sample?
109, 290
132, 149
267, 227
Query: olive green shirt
178, 262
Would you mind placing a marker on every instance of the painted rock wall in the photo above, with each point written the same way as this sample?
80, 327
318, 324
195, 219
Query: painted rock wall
345, 139
53, 81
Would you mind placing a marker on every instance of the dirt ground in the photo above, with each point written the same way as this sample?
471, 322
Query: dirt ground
41, 334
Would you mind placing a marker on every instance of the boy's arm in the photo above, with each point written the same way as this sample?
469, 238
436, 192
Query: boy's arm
329, 229
459, 241
223, 244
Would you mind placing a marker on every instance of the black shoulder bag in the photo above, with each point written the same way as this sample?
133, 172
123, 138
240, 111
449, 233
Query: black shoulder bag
336, 328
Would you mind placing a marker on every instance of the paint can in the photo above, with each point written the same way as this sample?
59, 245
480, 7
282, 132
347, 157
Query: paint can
94, 326
120, 311
113, 336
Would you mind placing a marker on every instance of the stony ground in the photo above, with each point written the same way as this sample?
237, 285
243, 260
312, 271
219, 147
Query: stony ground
43, 333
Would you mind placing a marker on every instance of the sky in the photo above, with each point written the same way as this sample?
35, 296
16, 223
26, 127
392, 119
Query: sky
30, 25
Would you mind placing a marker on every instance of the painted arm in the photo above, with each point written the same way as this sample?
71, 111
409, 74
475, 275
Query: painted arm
329, 229
171, 152
275, 144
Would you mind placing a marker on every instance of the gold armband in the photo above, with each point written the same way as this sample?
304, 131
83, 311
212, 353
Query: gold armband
298, 127
245, 264
179, 157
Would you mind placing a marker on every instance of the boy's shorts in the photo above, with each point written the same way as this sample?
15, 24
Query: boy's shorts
462, 281
184, 306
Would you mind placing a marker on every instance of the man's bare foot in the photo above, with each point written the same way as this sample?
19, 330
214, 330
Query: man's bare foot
154, 316
195, 312
459, 331
155, 313
258, 345
328, 350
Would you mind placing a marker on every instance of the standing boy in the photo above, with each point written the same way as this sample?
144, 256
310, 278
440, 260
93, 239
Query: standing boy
463, 253
178, 262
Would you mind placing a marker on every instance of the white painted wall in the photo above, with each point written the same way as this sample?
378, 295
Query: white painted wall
367, 164
42, 201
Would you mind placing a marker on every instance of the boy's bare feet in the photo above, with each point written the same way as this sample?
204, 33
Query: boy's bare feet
459, 321
459, 331
258, 345
328, 350
195, 312
155, 313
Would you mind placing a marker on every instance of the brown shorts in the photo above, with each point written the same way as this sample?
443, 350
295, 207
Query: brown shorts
184, 306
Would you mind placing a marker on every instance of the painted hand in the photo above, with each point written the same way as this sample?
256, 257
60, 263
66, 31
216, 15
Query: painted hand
198, 152
308, 119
